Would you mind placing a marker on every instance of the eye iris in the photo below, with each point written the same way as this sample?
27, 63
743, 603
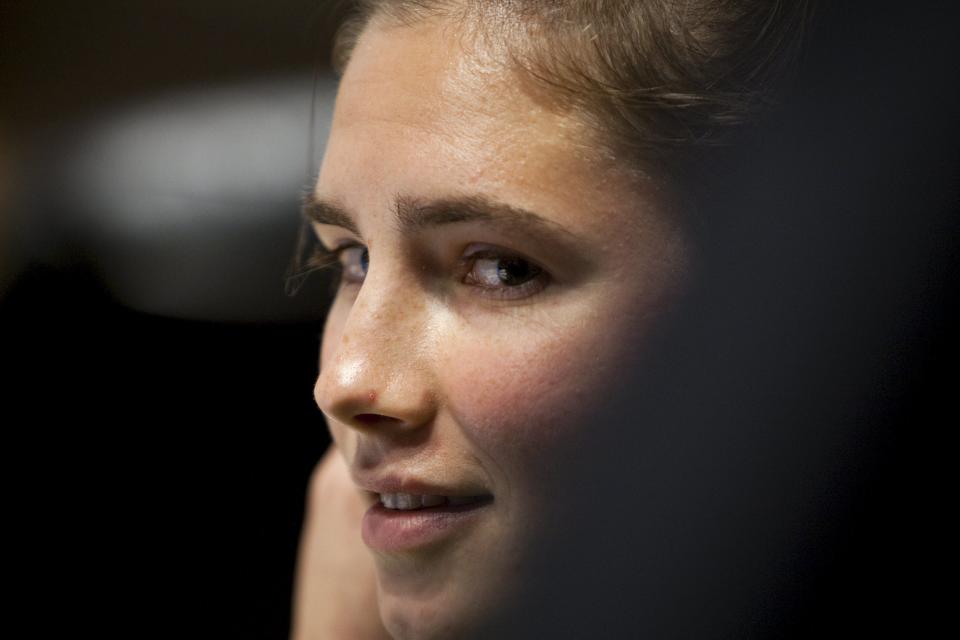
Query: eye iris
515, 271
355, 261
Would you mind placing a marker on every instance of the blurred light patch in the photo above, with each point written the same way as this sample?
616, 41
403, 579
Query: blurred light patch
188, 205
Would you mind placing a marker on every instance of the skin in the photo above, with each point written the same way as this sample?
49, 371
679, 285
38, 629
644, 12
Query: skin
424, 370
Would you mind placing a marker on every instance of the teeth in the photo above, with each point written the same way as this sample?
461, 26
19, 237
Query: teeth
408, 501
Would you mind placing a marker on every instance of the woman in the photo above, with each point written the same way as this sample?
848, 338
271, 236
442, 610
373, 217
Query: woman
506, 187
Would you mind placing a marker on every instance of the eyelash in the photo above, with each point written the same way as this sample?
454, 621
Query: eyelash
323, 258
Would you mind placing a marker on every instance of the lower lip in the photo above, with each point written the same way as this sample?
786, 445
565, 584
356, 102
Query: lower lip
397, 530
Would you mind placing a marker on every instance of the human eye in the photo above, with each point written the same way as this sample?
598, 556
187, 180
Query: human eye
354, 262
502, 274
349, 261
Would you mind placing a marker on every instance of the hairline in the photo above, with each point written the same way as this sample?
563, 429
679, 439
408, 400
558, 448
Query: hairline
477, 22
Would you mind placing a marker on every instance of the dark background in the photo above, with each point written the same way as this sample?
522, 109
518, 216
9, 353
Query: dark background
158, 461
158, 464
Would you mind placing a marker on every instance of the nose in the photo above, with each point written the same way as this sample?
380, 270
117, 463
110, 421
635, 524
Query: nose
374, 373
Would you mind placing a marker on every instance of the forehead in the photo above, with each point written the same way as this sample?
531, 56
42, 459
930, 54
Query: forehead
424, 111
440, 68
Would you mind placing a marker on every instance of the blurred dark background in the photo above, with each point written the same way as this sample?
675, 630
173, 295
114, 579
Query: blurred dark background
157, 381
157, 395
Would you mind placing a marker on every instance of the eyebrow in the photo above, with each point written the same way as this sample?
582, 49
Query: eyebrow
414, 215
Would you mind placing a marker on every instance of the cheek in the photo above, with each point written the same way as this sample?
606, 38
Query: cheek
518, 399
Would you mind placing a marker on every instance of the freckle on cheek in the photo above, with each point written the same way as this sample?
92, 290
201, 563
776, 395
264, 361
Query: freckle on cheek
526, 404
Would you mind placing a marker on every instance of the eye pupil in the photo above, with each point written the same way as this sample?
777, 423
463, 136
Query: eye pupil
515, 271
365, 260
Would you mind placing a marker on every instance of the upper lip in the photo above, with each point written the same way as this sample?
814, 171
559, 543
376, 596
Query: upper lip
405, 483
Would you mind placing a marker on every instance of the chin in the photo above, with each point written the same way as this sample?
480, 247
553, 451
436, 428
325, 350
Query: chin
463, 588
434, 619
451, 608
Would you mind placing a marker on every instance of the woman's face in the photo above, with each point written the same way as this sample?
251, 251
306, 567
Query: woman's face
496, 277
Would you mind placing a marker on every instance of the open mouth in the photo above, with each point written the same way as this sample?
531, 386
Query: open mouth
404, 522
414, 502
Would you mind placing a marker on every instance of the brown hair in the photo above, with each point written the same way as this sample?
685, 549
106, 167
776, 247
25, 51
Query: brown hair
654, 78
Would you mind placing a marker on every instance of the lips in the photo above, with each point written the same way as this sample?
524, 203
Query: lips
404, 483
411, 514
